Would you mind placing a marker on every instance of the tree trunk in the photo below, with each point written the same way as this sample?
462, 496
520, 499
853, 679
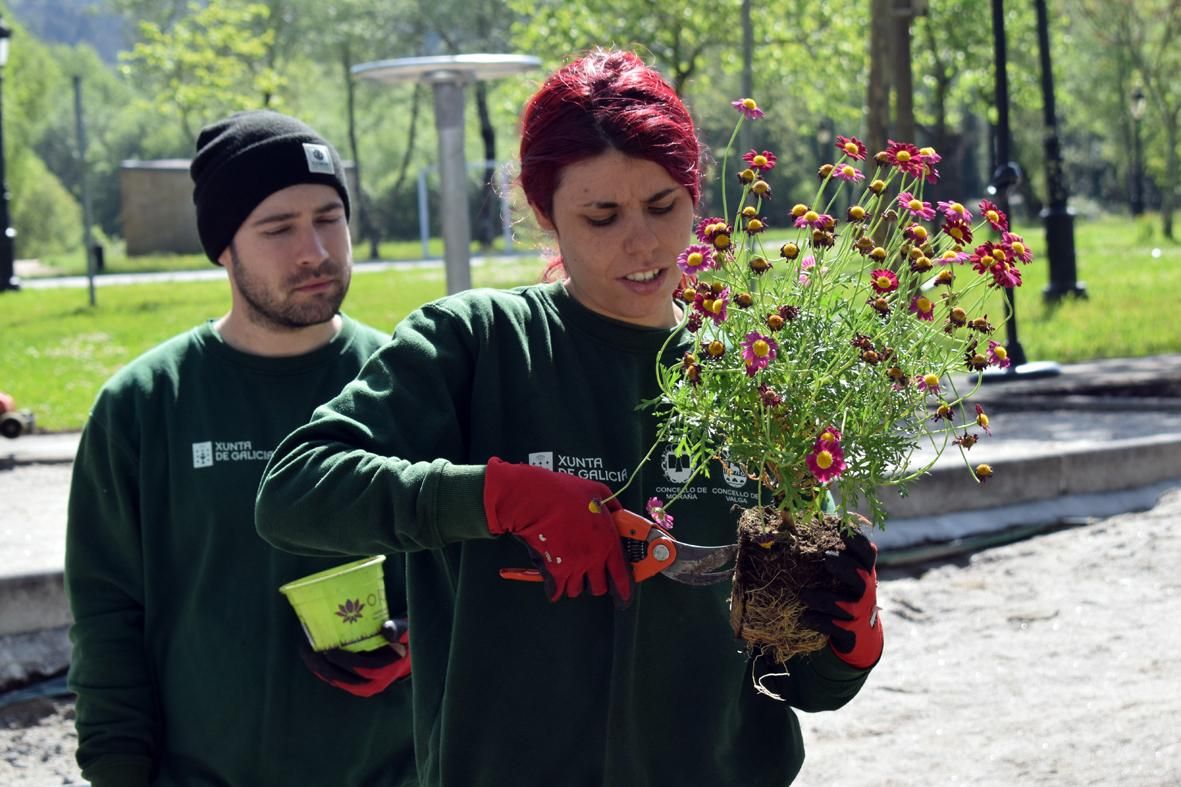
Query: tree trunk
877, 100
902, 77
404, 167
487, 214
364, 218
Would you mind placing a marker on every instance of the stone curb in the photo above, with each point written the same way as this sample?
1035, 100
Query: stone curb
1114, 466
31, 602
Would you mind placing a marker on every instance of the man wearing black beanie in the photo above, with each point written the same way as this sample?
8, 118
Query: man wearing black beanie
187, 660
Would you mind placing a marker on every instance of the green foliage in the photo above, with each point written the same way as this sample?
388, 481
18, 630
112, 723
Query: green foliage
48, 218
208, 64
117, 126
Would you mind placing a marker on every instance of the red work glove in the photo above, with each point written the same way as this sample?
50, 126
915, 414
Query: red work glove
569, 543
849, 615
367, 672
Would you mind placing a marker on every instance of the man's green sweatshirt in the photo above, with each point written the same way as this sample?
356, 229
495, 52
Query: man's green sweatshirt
186, 660
509, 688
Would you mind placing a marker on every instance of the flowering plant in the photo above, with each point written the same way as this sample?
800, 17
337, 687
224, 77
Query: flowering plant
819, 368
824, 364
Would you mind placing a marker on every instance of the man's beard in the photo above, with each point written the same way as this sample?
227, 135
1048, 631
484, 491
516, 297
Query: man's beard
271, 310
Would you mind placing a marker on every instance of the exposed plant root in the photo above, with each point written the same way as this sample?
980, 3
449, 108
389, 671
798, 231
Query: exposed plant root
776, 559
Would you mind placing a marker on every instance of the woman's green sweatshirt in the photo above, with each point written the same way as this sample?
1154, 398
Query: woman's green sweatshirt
509, 688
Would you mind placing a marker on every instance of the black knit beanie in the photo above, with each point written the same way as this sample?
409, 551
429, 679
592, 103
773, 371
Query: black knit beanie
243, 159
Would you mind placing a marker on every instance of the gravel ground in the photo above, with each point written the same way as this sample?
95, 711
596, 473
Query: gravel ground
1052, 661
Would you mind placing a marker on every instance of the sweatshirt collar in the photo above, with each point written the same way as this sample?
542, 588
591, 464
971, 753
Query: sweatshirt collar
625, 336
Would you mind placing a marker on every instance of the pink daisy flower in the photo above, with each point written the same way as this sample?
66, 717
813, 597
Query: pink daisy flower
905, 157
997, 260
763, 162
922, 307
816, 221
987, 254
697, 258
1016, 247
851, 147
997, 355
829, 435
916, 233
769, 397
658, 514
827, 459
848, 172
994, 216
758, 351
883, 280
748, 107
930, 156
930, 159
958, 230
953, 211
1006, 275
806, 264
927, 382
951, 256
982, 419
713, 306
918, 208
707, 228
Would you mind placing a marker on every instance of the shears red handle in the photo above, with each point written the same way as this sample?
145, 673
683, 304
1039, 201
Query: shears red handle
651, 551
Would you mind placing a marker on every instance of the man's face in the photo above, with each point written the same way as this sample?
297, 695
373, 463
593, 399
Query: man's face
291, 260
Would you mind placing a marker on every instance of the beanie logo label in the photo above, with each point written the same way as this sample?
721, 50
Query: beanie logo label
319, 160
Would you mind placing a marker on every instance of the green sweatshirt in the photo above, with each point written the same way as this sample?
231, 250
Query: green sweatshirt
185, 659
509, 688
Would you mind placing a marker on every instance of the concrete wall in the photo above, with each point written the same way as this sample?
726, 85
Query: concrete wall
157, 206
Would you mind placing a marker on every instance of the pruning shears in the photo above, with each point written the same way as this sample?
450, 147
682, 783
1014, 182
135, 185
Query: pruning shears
652, 550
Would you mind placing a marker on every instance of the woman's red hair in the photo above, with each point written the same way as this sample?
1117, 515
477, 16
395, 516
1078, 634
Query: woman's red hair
605, 100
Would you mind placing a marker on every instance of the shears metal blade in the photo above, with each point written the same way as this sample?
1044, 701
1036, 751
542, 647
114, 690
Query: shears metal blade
652, 550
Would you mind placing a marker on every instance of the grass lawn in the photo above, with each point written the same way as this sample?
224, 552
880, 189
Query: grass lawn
57, 351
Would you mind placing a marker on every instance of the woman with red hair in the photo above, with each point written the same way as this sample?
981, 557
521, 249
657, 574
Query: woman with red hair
511, 413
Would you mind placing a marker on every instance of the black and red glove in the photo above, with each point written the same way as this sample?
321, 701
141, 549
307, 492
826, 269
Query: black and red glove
572, 540
368, 672
849, 614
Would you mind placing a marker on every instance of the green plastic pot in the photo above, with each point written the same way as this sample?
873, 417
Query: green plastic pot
342, 607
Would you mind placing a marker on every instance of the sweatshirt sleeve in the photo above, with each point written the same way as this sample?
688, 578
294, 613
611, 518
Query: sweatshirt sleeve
813, 682
115, 710
379, 468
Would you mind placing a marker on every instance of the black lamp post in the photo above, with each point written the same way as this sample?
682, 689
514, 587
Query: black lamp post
1136, 105
1058, 218
1005, 177
8, 279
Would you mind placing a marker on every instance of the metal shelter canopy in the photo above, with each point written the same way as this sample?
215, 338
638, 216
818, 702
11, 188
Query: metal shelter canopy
447, 75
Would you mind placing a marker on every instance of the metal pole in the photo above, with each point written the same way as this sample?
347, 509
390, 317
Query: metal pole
8, 278
506, 209
424, 214
87, 238
748, 37
1058, 218
1007, 175
1001, 184
453, 182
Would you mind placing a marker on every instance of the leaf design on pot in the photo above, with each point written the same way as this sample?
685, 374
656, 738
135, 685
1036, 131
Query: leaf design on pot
350, 610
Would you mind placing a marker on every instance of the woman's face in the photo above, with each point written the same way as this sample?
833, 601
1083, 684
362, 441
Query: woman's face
620, 224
